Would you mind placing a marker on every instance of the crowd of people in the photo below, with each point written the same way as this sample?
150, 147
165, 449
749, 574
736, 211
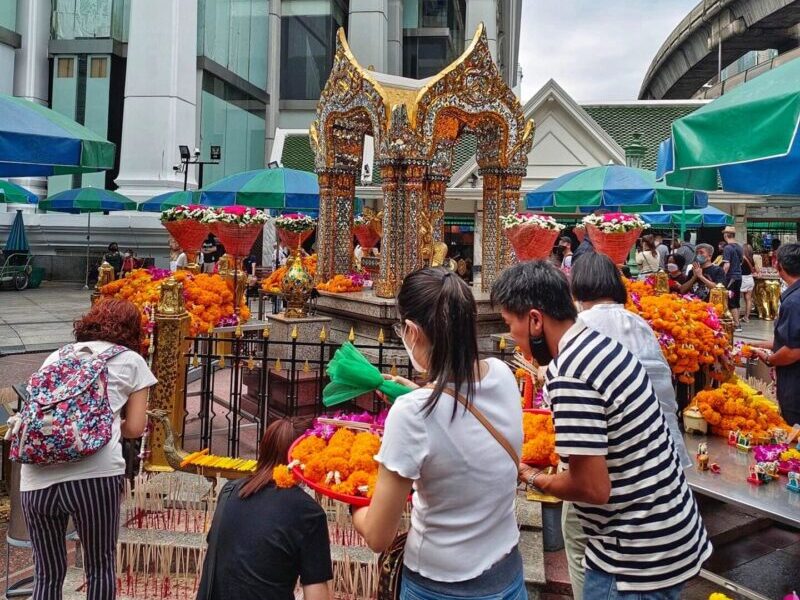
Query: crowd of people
631, 526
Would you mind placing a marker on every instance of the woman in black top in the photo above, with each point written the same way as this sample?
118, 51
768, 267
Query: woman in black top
264, 538
748, 282
676, 270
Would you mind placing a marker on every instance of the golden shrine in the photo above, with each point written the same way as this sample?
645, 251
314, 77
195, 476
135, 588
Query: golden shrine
415, 125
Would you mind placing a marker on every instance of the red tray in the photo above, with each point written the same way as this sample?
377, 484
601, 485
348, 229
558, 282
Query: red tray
537, 411
325, 491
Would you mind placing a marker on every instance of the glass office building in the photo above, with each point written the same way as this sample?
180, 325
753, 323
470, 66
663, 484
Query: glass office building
82, 69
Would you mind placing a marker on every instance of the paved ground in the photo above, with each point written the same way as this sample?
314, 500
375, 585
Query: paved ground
40, 319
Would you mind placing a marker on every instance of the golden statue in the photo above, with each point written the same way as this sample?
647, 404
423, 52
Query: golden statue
719, 297
171, 301
433, 253
104, 275
662, 282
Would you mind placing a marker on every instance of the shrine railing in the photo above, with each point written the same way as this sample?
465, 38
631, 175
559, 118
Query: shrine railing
236, 386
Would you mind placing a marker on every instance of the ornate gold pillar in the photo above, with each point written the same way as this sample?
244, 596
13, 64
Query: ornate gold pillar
391, 265
169, 366
344, 193
325, 257
491, 234
510, 183
401, 251
437, 187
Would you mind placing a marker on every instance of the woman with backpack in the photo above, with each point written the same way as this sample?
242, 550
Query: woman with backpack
456, 441
72, 462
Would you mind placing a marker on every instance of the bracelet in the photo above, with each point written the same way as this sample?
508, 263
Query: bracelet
530, 483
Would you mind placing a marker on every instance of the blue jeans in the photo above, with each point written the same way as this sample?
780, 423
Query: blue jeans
410, 590
602, 586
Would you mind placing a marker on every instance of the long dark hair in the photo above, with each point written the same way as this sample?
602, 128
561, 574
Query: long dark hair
272, 451
649, 243
442, 305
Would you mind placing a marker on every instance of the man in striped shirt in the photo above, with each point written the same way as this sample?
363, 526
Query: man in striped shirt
646, 538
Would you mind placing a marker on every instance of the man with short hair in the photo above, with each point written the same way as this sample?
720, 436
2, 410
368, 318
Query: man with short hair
732, 256
645, 534
705, 274
685, 248
785, 355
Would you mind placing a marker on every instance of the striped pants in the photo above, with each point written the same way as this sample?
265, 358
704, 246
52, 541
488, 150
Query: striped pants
93, 505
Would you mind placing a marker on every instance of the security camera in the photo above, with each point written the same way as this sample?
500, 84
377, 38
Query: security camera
197, 151
176, 168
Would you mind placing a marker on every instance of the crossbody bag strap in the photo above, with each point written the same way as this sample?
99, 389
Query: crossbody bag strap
501, 439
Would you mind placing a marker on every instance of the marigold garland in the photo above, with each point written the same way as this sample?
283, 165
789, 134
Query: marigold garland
689, 331
340, 284
539, 441
207, 297
344, 464
736, 406
283, 477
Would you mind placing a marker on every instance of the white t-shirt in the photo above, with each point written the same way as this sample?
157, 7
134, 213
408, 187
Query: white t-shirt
462, 521
127, 373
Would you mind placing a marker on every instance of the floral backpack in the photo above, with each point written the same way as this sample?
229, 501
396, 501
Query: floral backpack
67, 415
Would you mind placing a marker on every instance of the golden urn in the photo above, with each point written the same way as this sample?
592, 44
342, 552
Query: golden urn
296, 287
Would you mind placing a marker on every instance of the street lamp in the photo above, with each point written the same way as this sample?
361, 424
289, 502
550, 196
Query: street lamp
634, 152
186, 160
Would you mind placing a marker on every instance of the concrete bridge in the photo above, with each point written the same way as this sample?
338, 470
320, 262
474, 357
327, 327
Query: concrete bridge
688, 59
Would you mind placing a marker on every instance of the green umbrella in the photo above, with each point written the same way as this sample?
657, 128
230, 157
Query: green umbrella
265, 188
10, 193
749, 138
87, 200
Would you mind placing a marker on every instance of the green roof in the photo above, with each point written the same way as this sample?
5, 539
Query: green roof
297, 154
653, 121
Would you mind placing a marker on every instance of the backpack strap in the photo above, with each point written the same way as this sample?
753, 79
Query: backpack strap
110, 353
65, 351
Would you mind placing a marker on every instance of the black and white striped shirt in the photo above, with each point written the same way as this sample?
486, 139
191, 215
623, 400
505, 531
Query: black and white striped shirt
649, 535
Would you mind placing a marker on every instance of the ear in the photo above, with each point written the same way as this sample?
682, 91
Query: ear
536, 322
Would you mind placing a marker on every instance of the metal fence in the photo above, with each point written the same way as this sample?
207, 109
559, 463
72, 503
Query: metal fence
246, 382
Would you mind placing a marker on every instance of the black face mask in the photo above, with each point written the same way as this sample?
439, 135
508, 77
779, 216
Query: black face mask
539, 349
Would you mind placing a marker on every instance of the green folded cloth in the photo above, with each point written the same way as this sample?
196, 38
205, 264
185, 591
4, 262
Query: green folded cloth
353, 375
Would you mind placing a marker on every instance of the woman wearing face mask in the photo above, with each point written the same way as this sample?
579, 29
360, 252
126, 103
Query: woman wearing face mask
676, 267
463, 536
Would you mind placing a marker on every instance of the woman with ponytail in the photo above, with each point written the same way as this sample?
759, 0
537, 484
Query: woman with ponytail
263, 538
454, 442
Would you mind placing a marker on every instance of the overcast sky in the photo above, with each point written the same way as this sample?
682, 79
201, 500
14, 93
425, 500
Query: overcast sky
594, 49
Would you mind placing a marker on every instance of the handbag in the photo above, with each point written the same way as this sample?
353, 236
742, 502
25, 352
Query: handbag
390, 561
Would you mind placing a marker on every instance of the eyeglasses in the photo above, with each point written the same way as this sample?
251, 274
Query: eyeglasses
398, 329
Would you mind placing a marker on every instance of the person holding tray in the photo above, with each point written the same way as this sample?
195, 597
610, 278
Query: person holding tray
456, 443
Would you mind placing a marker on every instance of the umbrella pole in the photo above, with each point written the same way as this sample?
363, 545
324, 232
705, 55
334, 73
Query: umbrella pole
683, 215
88, 244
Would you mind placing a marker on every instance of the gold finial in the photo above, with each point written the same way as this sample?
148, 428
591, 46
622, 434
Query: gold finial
265, 333
251, 363
323, 336
278, 366
306, 367
381, 337
393, 370
352, 336
502, 343
221, 363
517, 349
294, 332
195, 360
238, 333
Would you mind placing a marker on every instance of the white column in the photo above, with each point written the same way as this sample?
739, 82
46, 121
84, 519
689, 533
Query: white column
482, 11
31, 68
160, 97
273, 76
395, 38
369, 31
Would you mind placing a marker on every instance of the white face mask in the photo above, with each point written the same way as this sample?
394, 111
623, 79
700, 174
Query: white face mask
417, 367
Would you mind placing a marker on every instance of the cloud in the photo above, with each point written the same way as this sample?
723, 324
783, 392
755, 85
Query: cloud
595, 49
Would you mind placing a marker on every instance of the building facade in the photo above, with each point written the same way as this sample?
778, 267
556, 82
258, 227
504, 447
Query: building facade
151, 75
